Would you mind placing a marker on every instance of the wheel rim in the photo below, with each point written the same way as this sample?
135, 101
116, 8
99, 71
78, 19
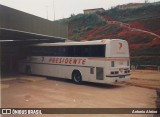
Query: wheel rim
77, 77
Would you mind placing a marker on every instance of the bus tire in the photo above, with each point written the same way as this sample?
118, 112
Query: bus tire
28, 70
76, 77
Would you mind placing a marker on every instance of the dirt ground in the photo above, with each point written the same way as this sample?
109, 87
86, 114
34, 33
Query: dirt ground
145, 78
39, 92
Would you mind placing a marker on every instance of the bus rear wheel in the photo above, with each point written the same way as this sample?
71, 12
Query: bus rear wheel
76, 77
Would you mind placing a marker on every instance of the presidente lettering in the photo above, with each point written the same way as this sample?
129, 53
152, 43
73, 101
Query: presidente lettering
75, 61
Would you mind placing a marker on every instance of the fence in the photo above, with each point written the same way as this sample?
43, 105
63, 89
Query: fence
143, 67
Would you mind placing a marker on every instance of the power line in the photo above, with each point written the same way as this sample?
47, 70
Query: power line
53, 10
47, 11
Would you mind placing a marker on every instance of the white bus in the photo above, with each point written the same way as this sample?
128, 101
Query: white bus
100, 61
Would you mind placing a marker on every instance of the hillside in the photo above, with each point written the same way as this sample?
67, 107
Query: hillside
139, 26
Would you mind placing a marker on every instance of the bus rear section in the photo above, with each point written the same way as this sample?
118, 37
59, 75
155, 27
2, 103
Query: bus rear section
118, 65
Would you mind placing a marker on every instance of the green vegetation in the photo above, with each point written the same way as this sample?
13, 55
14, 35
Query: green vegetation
145, 61
84, 20
81, 23
140, 39
150, 51
91, 27
87, 20
152, 24
146, 56
84, 23
147, 11
112, 29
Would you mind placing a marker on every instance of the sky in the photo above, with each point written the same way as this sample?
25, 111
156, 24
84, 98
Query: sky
58, 9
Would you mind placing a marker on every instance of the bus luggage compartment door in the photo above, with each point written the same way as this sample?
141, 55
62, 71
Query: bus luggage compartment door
99, 73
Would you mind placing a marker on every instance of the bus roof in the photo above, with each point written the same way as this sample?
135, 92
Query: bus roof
95, 42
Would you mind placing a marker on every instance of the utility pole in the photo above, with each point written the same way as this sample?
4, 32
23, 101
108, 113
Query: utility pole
146, 1
47, 11
53, 11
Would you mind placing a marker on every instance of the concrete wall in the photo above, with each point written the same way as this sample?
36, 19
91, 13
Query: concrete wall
17, 20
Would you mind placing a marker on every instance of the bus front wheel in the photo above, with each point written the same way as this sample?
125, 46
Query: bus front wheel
28, 70
77, 77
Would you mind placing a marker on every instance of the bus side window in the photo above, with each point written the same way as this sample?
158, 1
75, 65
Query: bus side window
78, 51
70, 51
61, 51
97, 51
52, 51
86, 51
